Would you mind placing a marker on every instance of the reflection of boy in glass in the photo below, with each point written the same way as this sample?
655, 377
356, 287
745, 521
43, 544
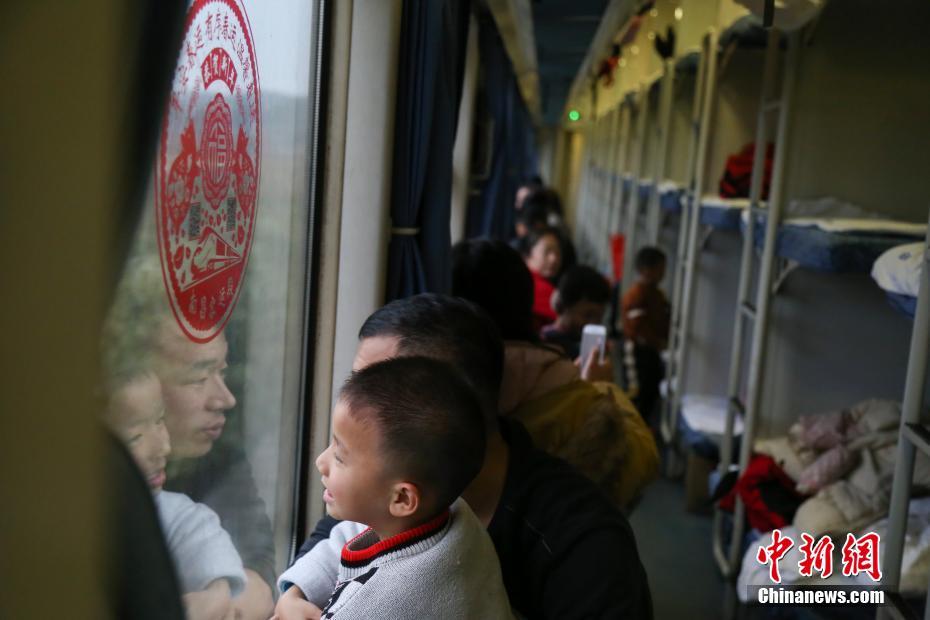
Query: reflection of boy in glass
216, 473
209, 569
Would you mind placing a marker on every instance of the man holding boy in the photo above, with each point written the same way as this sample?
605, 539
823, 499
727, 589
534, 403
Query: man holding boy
564, 550
407, 438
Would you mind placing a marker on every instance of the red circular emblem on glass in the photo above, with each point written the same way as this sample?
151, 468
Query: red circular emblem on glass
207, 171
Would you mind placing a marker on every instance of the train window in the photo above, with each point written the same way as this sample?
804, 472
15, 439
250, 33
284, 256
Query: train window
204, 344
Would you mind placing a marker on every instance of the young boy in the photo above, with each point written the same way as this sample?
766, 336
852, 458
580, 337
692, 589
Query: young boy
645, 316
581, 299
209, 569
407, 439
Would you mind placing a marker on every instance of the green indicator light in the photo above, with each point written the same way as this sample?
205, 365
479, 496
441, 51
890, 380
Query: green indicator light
574, 115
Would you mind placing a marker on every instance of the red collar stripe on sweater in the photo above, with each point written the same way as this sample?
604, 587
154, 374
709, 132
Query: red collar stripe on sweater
354, 559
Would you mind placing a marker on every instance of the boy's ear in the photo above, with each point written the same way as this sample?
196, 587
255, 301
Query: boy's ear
556, 302
405, 499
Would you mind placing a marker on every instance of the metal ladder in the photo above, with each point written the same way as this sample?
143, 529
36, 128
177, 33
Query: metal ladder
755, 315
631, 225
913, 435
682, 295
606, 189
582, 233
621, 149
663, 135
613, 132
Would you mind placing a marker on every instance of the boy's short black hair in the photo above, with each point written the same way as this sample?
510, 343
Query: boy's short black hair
492, 274
429, 423
448, 329
582, 283
648, 258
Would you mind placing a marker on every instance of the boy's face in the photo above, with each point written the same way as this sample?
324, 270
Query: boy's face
652, 275
583, 313
353, 472
137, 415
195, 392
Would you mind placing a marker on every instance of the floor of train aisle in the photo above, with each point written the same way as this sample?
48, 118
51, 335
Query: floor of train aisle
674, 546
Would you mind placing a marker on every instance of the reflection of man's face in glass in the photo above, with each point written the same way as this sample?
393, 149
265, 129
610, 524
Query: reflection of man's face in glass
194, 390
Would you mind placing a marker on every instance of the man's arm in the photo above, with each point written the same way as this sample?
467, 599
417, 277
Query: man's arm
619, 588
255, 602
320, 533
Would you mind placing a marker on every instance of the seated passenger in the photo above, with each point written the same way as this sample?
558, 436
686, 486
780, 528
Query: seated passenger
646, 316
549, 524
590, 423
209, 568
408, 437
541, 208
580, 300
543, 257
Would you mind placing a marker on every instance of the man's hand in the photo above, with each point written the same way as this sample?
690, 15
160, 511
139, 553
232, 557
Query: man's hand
293, 606
212, 603
255, 602
592, 369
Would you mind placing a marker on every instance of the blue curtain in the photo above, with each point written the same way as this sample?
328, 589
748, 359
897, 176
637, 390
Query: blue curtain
513, 140
429, 82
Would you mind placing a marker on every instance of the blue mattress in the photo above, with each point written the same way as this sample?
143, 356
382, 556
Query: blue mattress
830, 252
689, 62
747, 31
701, 444
903, 303
670, 201
627, 185
721, 217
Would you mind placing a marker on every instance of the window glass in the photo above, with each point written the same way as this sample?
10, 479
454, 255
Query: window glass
204, 344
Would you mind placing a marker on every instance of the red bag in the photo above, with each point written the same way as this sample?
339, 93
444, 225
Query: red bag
737, 176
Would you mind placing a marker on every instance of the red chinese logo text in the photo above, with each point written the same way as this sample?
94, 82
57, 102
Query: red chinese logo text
860, 555
773, 553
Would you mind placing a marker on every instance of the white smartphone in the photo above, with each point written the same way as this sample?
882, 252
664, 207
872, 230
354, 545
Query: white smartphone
593, 336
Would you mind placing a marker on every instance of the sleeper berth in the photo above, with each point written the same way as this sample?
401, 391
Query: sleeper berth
723, 213
837, 245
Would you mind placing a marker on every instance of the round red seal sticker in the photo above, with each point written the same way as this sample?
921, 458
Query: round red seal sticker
208, 166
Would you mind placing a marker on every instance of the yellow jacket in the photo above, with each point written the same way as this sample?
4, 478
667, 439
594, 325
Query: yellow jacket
592, 425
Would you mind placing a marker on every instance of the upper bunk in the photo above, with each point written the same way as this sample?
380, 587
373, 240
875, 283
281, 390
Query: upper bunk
838, 245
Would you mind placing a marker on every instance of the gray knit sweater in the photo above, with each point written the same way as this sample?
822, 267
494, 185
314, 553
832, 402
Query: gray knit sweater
446, 568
